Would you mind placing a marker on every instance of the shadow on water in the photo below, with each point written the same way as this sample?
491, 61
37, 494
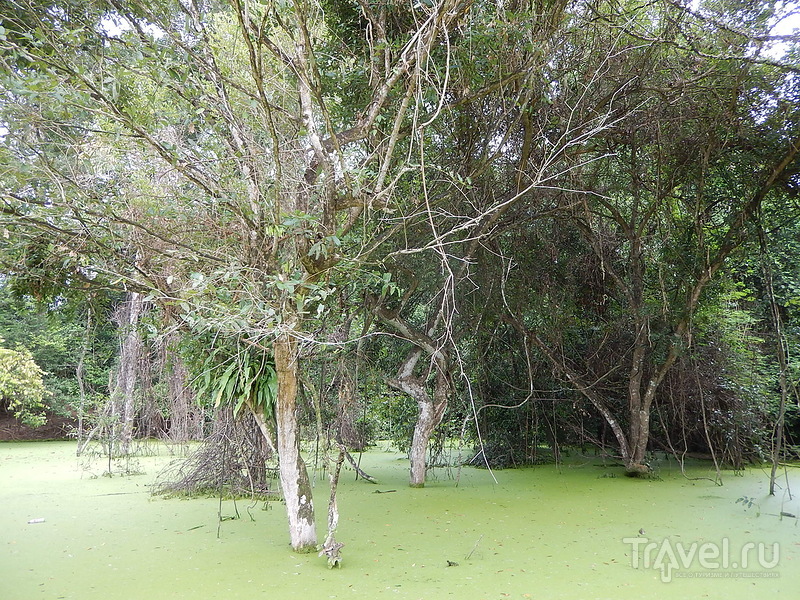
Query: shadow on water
544, 532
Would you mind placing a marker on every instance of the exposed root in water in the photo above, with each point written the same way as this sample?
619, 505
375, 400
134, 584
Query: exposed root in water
331, 548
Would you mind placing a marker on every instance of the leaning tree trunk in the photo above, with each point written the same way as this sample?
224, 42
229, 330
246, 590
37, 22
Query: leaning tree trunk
429, 410
429, 415
295, 483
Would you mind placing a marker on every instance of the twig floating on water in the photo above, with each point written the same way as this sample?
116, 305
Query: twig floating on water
473, 548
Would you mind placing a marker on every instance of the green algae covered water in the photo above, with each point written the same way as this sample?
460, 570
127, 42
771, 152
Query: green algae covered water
546, 532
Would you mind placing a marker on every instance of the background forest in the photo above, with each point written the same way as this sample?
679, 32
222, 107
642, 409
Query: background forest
520, 225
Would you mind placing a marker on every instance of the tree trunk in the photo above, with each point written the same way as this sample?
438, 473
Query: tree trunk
79, 376
293, 474
560, 364
638, 439
638, 403
782, 351
430, 412
123, 396
428, 418
186, 416
635, 464
419, 443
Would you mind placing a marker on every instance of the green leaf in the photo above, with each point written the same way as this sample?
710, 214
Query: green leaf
222, 384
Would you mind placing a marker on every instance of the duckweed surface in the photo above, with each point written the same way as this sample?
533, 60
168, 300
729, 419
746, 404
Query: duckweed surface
579, 531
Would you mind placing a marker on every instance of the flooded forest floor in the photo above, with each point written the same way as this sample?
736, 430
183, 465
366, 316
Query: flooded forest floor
579, 530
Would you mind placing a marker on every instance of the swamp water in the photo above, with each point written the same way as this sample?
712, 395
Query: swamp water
573, 532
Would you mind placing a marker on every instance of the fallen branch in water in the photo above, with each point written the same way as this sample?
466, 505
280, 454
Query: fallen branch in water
361, 473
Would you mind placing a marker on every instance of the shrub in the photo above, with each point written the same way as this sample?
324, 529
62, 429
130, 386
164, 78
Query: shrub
22, 389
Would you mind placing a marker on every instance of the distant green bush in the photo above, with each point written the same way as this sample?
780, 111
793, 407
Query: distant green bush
22, 389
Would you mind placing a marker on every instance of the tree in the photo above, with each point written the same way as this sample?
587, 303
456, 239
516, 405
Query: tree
22, 388
224, 110
69, 337
259, 172
691, 168
493, 156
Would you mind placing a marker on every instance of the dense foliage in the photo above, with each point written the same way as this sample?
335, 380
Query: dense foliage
22, 390
71, 350
526, 225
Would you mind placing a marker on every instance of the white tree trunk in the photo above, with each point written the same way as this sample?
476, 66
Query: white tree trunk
295, 483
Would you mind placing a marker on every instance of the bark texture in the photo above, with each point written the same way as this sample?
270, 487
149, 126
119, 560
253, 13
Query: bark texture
430, 411
295, 483
123, 397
